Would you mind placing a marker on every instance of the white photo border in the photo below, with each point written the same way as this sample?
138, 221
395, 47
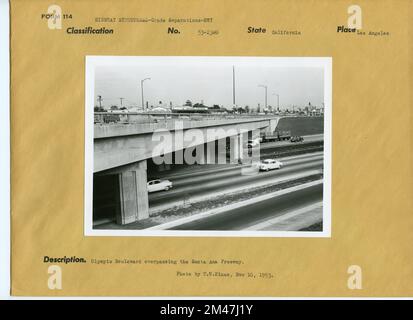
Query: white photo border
91, 62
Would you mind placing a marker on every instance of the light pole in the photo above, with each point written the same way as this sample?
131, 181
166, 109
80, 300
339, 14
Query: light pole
100, 101
266, 88
143, 100
278, 100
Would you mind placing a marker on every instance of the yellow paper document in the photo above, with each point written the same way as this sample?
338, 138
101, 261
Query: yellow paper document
211, 148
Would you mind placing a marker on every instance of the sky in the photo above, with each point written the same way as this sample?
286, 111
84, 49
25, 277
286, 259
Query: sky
210, 83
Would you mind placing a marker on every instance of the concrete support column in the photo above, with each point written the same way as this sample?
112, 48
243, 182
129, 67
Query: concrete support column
237, 148
210, 154
133, 194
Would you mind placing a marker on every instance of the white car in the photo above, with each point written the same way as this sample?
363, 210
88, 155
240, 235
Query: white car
253, 143
159, 185
270, 164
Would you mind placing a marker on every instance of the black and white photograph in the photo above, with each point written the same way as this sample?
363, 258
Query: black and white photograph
208, 146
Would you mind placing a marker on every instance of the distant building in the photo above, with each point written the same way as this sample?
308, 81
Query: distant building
161, 110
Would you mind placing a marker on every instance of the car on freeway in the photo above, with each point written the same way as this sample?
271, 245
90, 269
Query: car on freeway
159, 185
253, 143
270, 164
297, 139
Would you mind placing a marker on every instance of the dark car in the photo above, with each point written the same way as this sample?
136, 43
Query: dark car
297, 139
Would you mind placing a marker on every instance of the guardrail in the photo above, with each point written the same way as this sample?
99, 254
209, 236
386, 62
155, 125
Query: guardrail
148, 117
136, 117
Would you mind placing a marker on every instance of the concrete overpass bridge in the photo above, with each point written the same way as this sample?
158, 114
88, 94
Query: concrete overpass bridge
123, 148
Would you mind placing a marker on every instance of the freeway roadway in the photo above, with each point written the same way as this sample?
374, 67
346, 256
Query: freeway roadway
254, 214
223, 180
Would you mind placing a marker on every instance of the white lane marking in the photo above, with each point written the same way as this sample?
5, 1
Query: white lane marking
306, 155
313, 138
233, 206
284, 217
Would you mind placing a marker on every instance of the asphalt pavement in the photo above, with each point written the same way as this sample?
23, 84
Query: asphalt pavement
225, 179
250, 215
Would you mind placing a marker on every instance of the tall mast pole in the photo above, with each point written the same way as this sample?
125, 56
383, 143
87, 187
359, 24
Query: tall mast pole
233, 86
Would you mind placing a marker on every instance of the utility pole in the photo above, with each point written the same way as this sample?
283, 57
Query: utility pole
143, 100
100, 101
266, 88
278, 100
121, 99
